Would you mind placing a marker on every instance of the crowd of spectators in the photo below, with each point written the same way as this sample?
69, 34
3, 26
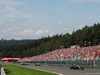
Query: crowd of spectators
89, 52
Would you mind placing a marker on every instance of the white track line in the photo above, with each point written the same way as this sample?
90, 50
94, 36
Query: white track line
49, 71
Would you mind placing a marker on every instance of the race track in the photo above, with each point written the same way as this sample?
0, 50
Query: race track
63, 70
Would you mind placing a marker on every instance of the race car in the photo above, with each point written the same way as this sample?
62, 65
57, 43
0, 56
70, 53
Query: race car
24, 63
37, 64
76, 67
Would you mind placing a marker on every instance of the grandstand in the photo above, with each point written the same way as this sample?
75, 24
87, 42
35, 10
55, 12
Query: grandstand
83, 53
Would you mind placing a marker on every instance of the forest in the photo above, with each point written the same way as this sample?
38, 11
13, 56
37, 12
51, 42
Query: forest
87, 36
4, 42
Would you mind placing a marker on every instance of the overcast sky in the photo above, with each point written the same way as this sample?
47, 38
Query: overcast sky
33, 19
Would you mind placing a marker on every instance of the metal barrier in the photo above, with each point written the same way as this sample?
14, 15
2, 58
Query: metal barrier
2, 72
0, 68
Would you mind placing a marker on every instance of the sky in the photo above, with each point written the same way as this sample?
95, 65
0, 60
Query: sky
34, 19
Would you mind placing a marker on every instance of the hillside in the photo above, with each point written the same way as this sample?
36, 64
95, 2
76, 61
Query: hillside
14, 42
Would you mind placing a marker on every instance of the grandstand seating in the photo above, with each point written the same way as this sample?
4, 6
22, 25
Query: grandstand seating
89, 52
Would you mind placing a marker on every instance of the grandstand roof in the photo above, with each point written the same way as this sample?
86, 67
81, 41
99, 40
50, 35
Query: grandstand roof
10, 58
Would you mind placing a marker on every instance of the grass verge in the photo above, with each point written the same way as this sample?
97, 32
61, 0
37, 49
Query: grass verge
18, 70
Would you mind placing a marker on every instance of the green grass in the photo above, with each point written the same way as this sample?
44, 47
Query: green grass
17, 70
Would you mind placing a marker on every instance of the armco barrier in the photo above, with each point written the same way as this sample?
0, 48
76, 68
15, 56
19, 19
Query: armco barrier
2, 72
0, 68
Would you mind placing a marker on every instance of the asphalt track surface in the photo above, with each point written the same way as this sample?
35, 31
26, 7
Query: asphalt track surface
63, 70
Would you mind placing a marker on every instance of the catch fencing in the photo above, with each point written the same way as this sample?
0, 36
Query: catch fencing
69, 62
86, 63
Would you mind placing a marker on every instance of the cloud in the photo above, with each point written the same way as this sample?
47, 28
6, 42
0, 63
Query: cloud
10, 2
80, 26
27, 32
17, 33
10, 16
94, 0
12, 12
14, 22
69, 26
97, 9
9, 29
78, 1
39, 32
30, 32
60, 22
